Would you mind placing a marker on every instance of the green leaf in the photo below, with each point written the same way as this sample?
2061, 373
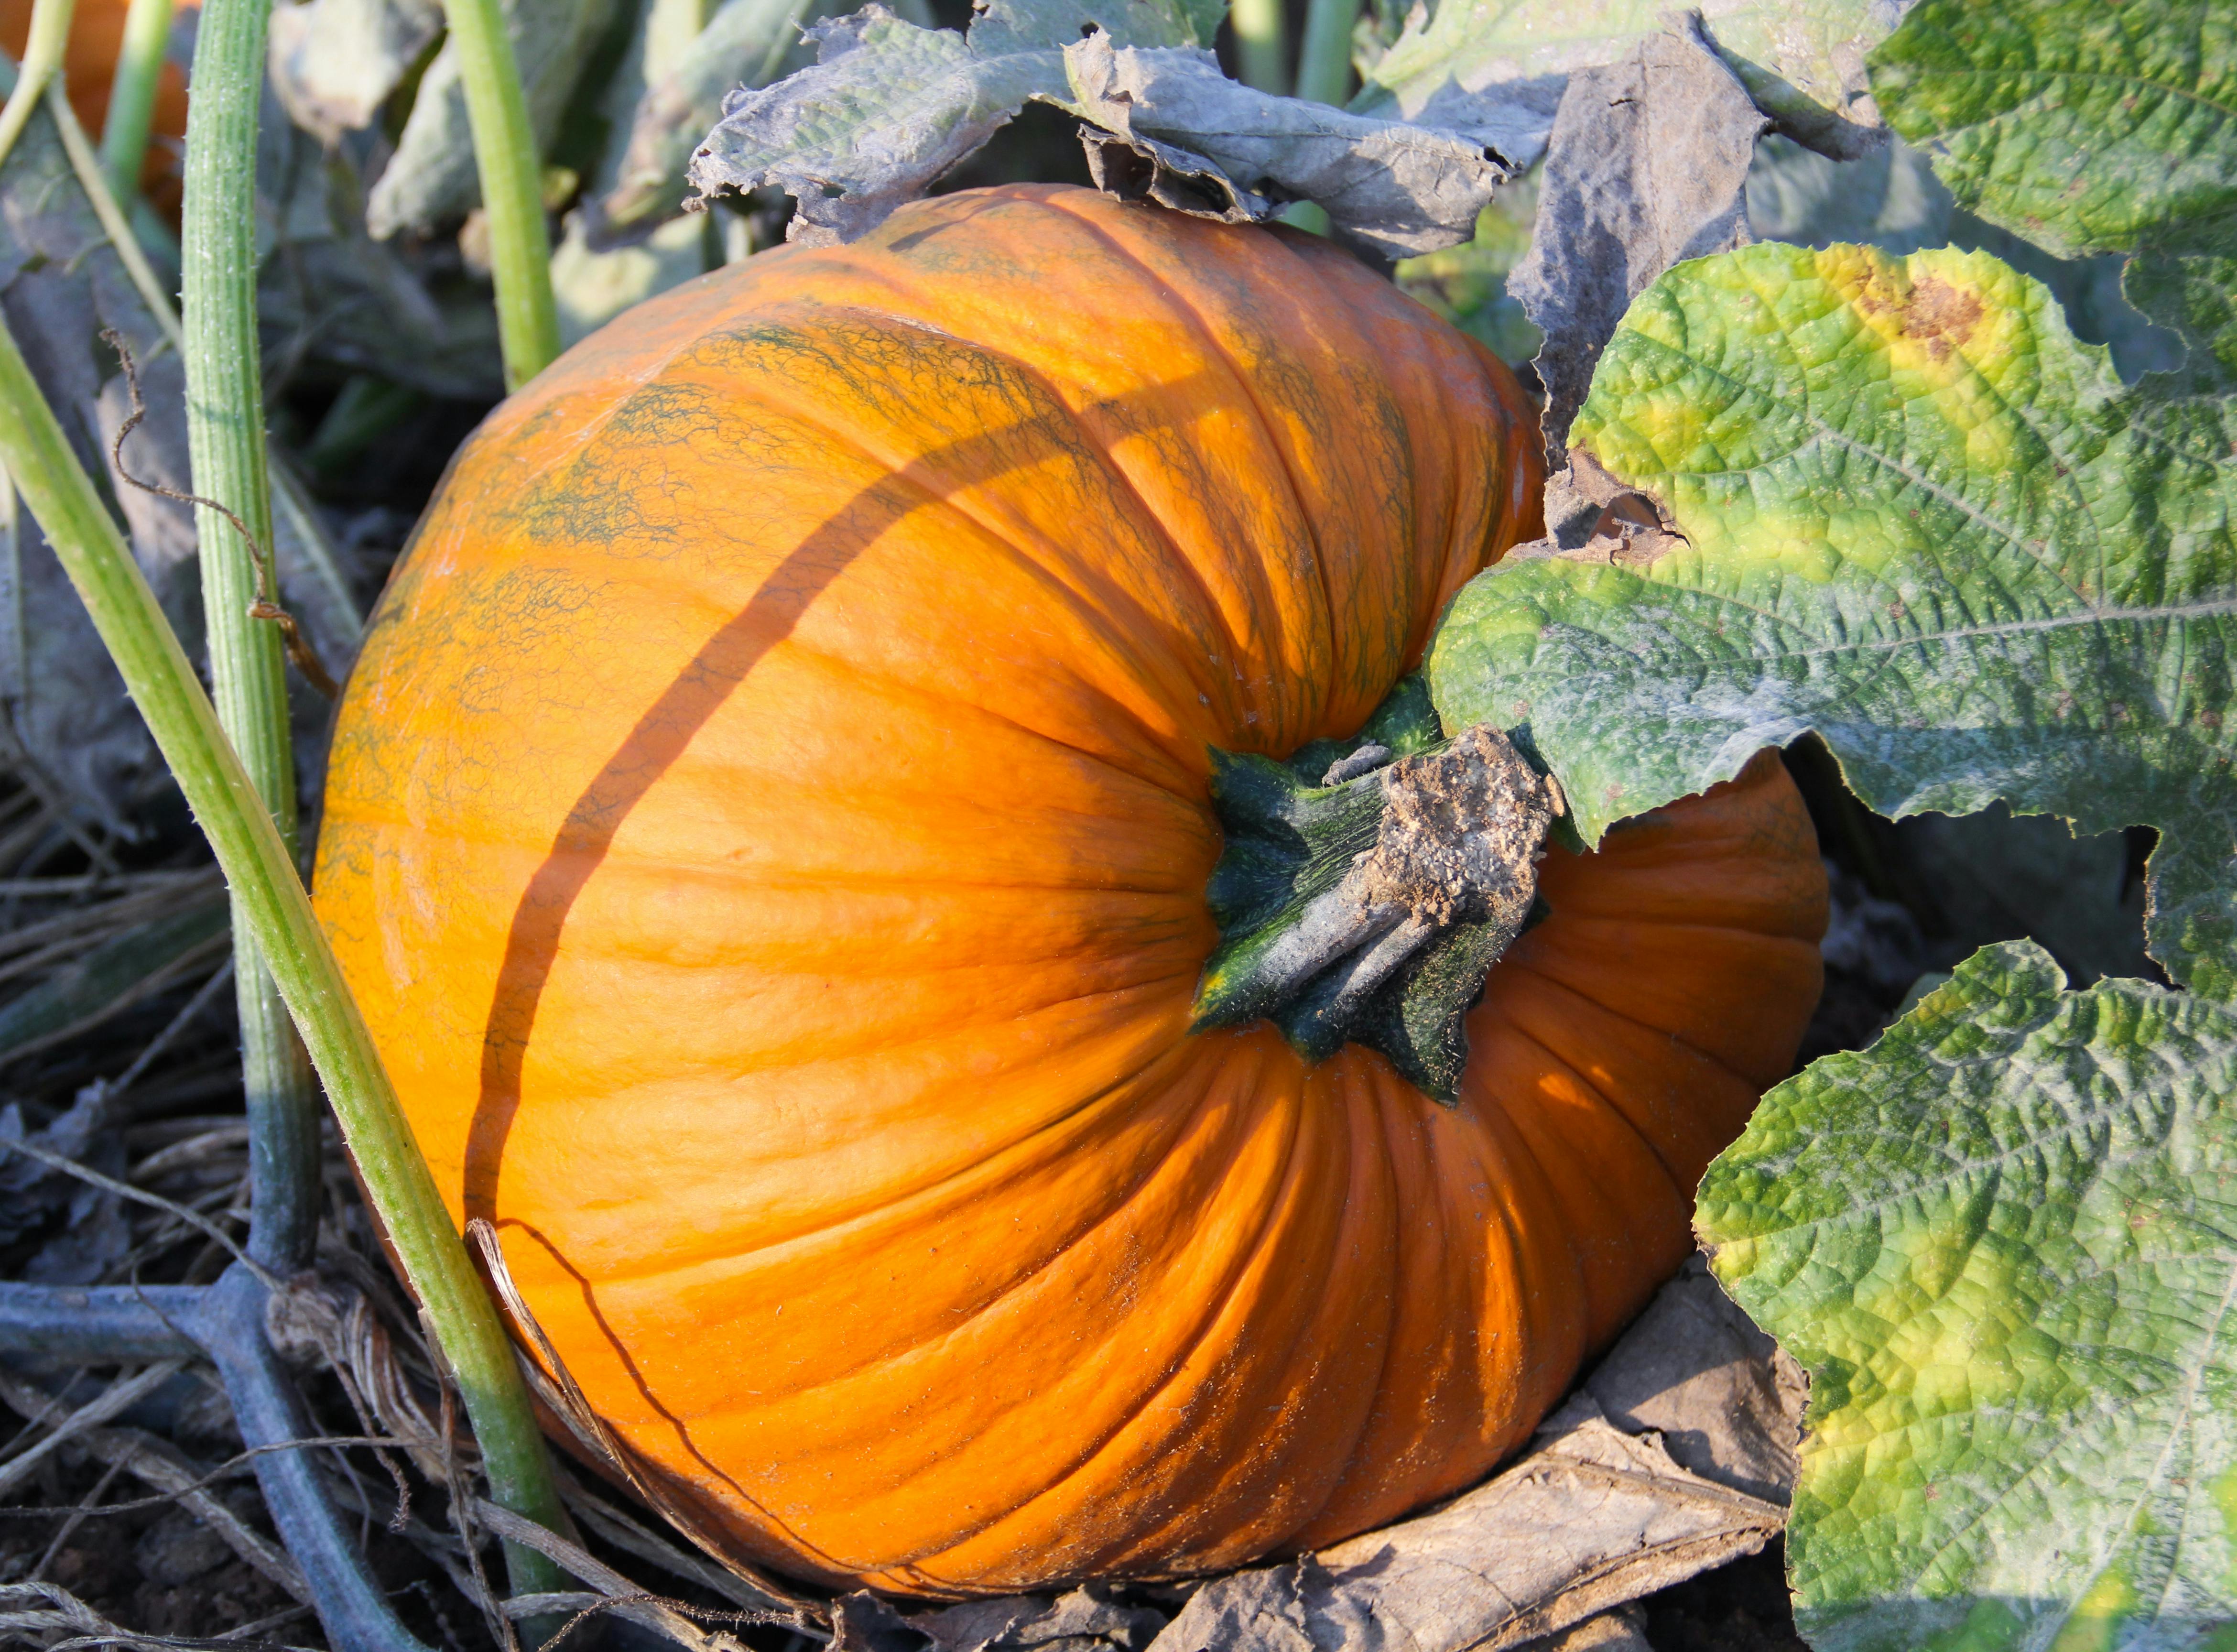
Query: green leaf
2083, 125
1925, 523
2001, 1241
2087, 128
2197, 297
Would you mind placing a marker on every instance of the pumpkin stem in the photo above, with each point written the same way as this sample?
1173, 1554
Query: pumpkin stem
1368, 886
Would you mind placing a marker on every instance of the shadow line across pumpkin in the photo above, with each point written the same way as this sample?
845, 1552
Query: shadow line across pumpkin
767, 830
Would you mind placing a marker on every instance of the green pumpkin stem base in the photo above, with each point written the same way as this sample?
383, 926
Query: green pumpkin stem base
1368, 886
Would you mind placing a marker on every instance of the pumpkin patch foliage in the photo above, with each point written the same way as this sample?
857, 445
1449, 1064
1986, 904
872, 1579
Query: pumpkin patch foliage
1917, 518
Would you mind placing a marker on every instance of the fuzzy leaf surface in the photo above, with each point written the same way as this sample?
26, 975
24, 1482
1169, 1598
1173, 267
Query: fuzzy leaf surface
1924, 522
2083, 126
2004, 1241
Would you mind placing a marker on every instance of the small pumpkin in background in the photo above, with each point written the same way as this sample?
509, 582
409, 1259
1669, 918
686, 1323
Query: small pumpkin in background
89, 64
769, 829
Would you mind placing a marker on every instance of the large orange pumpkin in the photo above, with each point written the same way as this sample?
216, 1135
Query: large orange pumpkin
767, 830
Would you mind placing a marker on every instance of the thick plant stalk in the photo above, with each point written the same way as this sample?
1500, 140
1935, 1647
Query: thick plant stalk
1324, 61
273, 918
278, 917
1324, 75
512, 188
1261, 45
225, 432
132, 94
43, 49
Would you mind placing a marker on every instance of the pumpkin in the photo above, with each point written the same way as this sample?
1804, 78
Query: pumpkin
767, 830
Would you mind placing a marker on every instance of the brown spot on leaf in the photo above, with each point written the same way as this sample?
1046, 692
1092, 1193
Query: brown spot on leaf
1941, 315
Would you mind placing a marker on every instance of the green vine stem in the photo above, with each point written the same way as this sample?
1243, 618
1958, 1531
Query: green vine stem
1261, 45
1325, 64
225, 434
512, 188
1324, 75
44, 48
224, 412
132, 94
270, 896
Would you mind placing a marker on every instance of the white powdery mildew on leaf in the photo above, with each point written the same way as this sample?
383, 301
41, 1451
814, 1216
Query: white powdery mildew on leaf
2004, 1240
1925, 523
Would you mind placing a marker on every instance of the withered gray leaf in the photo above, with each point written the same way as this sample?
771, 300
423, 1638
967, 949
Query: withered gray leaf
1141, 169
60, 284
1675, 1456
32, 1192
888, 106
1623, 1629
886, 109
1725, 1399
335, 63
1495, 69
1648, 166
1087, 1619
1092, 1618
1398, 188
746, 43
431, 179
